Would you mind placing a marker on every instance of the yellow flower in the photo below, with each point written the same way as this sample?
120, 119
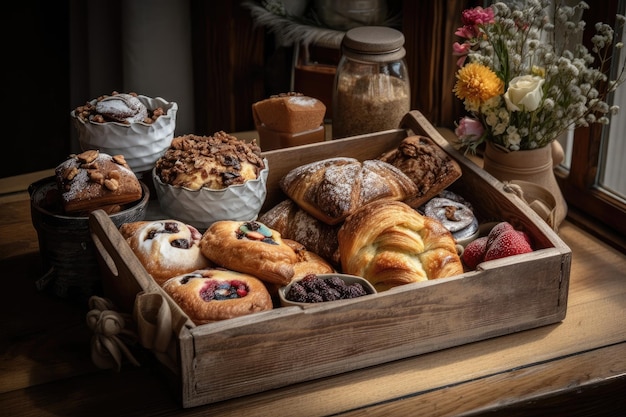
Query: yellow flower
539, 71
476, 84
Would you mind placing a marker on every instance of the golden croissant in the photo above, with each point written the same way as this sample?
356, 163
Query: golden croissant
390, 244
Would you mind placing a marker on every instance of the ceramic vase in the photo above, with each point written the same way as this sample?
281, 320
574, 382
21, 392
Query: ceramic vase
533, 166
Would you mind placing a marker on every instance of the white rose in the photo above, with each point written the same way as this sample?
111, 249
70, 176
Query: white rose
524, 93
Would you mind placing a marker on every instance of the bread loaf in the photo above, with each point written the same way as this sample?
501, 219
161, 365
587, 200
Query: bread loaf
390, 244
429, 166
332, 189
296, 224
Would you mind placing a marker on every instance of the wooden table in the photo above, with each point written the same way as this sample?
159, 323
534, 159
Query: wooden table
573, 368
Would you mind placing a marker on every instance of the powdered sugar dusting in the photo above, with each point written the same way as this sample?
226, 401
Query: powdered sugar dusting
78, 184
303, 101
81, 186
334, 195
373, 186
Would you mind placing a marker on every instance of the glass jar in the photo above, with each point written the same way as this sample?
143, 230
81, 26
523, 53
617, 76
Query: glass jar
371, 88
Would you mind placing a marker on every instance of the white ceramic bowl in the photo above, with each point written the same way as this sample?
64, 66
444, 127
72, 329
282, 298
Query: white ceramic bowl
203, 207
140, 143
348, 279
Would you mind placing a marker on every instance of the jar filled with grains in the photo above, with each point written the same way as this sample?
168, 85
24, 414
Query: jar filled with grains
371, 88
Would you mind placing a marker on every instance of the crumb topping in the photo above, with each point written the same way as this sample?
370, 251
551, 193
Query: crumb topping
214, 162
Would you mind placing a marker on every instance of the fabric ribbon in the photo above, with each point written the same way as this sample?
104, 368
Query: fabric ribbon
108, 344
154, 326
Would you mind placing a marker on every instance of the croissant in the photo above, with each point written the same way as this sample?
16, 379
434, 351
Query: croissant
390, 244
296, 224
332, 189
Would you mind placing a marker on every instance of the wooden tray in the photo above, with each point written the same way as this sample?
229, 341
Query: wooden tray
284, 346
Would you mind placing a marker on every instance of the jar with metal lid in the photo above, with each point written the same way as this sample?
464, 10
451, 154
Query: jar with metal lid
371, 88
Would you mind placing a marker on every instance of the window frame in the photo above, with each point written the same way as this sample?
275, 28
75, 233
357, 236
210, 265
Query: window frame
589, 207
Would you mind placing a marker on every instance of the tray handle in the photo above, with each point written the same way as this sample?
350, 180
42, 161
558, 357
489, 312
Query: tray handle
420, 125
123, 276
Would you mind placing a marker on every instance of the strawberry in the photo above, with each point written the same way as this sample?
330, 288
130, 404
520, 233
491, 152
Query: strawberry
508, 243
474, 252
525, 236
497, 230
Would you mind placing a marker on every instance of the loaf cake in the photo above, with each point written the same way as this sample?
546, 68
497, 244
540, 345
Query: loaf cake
289, 119
289, 112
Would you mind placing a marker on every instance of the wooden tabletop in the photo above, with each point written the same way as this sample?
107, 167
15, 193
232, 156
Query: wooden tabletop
573, 368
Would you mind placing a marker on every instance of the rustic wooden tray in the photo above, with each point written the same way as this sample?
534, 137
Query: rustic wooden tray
267, 350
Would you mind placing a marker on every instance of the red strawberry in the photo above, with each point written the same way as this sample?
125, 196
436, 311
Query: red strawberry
507, 243
525, 236
474, 252
497, 230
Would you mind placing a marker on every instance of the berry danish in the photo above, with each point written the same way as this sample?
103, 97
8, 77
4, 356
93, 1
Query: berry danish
210, 295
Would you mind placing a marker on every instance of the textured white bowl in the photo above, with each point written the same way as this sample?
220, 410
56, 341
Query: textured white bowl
203, 207
140, 143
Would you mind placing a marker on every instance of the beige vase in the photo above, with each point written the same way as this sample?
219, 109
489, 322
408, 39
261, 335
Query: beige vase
532, 166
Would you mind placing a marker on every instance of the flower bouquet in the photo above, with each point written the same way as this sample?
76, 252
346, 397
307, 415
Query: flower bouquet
525, 77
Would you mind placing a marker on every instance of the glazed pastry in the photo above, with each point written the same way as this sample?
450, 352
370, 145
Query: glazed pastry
294, 223
308, 262
456, 214
124, 108
429, 166
391, 244
332, 189
250, 247
94, 180
210, 295
166, 248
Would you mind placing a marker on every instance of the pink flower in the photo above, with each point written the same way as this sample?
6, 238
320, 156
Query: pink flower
461, 48
467, 32
477, 16
469, 130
